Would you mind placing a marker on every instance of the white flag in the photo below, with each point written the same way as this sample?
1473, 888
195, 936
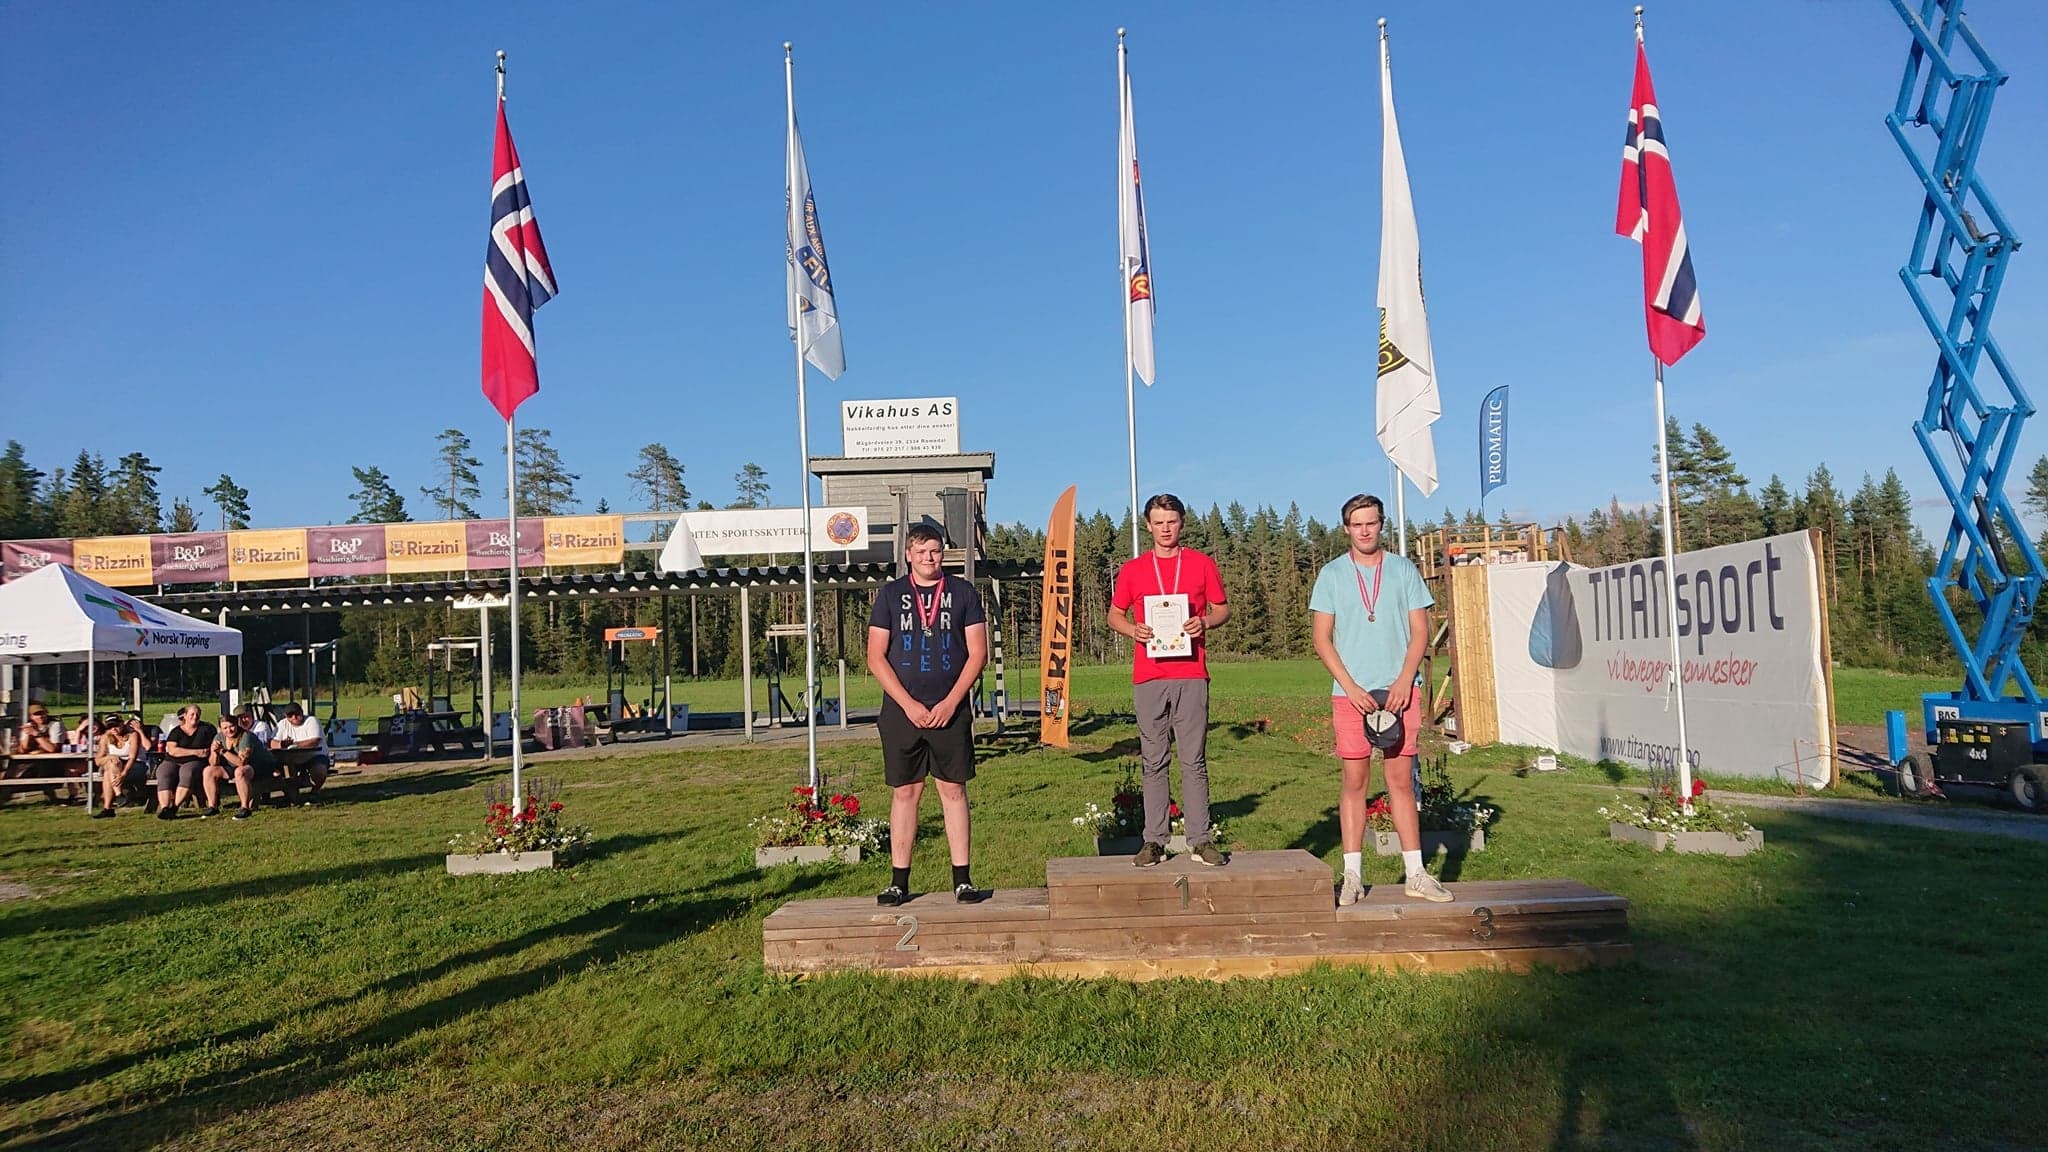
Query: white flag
1137, 257
813, 317
681, 554
1407, 403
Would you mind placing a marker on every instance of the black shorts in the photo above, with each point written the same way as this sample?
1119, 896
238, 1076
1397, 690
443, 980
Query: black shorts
910, 753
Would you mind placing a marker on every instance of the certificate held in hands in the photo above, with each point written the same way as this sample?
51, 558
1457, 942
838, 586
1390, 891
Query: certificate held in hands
1166, 616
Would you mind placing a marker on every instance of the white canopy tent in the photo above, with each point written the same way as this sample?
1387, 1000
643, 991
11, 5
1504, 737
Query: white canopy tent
56, 616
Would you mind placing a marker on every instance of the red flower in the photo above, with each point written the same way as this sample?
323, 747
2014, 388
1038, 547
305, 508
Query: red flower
555, 806
1172, 810
1699, 788
851, 804
802, 790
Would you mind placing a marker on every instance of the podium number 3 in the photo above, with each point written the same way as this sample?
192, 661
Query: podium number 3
909, 926
1485, 931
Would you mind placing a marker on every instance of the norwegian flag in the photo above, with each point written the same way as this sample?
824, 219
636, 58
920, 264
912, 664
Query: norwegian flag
1648, 214
517, 280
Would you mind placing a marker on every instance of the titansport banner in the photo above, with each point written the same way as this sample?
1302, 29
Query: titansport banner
297, 554
1582, 659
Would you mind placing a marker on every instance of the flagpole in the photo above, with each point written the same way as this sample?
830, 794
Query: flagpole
512, 585
1670, 564
1124, 294
1671, 588
803, 436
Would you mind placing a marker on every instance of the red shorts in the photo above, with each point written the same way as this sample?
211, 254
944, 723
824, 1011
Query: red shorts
1349, 724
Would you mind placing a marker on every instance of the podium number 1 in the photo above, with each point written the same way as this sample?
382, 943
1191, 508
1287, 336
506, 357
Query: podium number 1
1181, 882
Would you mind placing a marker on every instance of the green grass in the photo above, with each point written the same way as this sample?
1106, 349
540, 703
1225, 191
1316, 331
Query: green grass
1863, 695
312, 979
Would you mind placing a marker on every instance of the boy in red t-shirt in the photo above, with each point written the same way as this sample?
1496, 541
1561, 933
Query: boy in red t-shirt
1171, 689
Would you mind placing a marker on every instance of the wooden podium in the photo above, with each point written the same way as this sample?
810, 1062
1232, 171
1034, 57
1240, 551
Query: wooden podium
1263, 914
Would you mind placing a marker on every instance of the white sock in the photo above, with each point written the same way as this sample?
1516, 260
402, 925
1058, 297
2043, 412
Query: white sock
1412, 862
1352, 862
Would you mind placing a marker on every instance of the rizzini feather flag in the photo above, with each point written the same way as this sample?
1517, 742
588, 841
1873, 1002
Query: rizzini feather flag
1648, 214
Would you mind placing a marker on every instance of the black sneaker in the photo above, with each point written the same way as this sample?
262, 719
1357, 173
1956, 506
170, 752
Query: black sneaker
244, 813
170, 813
1208, 854
103, 814
969, 894
209, 811
891, 896
1150, 856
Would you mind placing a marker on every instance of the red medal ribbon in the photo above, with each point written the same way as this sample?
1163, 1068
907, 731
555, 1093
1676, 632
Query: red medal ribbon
1370, 601
925, 619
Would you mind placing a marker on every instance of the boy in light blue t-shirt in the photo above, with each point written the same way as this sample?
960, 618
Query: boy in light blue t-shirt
1371, 615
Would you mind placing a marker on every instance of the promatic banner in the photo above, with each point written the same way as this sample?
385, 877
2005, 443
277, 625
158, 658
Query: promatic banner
1493, 441
1582, 660
116, 561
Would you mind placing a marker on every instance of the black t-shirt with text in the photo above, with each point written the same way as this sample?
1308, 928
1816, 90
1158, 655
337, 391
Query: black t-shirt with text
928, 666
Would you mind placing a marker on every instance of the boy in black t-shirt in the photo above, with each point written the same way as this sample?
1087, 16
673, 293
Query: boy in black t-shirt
927, 641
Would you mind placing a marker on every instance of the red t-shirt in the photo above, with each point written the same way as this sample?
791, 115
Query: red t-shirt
1148, 575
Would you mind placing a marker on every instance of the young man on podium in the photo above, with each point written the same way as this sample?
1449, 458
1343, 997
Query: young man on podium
1177, 596
1371, 617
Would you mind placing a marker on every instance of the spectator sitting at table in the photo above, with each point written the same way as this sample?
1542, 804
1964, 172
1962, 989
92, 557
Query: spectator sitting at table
116, 752
238, 756
256, 725
41, 734
300, 731
187, 748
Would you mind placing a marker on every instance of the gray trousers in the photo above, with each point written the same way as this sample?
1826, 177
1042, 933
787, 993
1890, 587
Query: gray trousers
1176, 710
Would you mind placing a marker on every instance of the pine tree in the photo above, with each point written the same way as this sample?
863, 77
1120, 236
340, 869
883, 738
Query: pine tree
752, 482
2036, 501
233, 501
20, 511
183, 518
377, 502
456, 467
1774, 507
659, 479
84, 511
1822, 508
133, 503
546, 486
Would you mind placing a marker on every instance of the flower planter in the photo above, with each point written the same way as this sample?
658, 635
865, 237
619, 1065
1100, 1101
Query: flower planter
1433, 842
494, 863
806, 854
1129, 845
1711, 843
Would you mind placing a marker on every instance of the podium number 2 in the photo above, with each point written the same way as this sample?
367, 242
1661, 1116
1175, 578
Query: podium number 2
1485, 931
1181, 882
909, 926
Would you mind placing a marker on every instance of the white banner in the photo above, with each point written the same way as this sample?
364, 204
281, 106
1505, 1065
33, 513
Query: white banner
1582, 660
758, 531
929, 426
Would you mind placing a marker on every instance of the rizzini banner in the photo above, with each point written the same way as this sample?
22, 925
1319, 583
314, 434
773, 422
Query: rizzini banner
1056, 623
1582, 659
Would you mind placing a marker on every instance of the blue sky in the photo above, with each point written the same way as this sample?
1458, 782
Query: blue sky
279, 211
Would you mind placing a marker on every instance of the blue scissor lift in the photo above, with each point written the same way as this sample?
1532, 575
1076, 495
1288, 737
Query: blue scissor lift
1994, 731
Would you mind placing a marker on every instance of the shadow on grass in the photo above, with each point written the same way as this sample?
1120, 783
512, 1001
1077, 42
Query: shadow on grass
618, 929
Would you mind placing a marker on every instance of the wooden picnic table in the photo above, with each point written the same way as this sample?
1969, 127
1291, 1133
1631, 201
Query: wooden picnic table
17, 769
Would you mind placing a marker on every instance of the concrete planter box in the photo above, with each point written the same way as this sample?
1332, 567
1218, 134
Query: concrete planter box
495, 863
806, 854
1710, 843
1433, 842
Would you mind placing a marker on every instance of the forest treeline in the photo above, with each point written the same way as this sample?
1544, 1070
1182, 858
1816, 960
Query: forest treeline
1877, 561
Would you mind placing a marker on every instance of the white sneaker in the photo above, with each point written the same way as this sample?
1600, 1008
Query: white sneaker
1351, 891
1423, 886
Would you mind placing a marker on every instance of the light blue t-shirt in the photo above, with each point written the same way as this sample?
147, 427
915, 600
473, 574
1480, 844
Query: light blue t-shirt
1372, 650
